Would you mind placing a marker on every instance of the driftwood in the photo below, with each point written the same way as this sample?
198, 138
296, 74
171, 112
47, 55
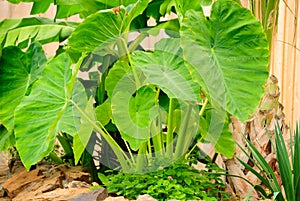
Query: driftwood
258, 130
47, 182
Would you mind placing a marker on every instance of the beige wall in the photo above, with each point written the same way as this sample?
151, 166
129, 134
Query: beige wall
286, 58
285, 63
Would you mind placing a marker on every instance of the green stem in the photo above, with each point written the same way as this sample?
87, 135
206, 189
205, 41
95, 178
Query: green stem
170, 127
122, 157
100, 93
65, 144
55, 158
149, 152
137, 41
200, 114
179, 150
141, 159
74, 75
195, 145
157, 139
203, 107
135, 75
129, 151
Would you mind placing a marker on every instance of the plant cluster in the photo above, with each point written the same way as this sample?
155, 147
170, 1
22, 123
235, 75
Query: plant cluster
145, 105
178, 181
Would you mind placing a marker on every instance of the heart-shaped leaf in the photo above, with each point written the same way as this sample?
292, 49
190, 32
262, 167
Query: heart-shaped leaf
165, 68
18, 70
133, 115
38, 116
103, 29
228, 54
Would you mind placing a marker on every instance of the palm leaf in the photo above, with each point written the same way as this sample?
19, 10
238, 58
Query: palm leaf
22, 31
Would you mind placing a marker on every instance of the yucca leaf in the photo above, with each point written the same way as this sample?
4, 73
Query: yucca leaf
263, 180
260, 159
271, 180
296, 162
262, 191
250, 158
284, 164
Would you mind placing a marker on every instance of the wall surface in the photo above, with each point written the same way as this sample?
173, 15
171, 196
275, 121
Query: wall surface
285, 60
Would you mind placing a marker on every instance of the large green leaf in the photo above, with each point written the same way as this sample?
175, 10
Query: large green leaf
103, 112
120, 78
18, 70
40, 6
64, 11
103, 29
120, 86
66, 8
228, 54
133, 115
70, 121
112, 4
165, 67
7, 139
20, 31
38, 116
19, 1
98, 31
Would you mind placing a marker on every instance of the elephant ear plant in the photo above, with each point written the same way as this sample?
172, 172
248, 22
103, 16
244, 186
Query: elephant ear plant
147, 105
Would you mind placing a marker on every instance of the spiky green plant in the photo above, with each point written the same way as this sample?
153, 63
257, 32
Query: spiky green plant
289, 170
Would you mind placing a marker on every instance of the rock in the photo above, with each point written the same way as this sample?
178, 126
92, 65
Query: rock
146, 197
95, 195
103, 195
120, 198
55, 195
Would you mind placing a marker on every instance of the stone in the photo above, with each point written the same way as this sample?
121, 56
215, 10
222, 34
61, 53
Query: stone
146, 197
119, 198
95, 195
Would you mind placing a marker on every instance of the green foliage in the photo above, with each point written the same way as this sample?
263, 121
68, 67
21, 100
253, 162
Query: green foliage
289, 170
41, 114
82, 138
226, 53
20, 32
178, 181
19, 73
150, 98
102, 29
